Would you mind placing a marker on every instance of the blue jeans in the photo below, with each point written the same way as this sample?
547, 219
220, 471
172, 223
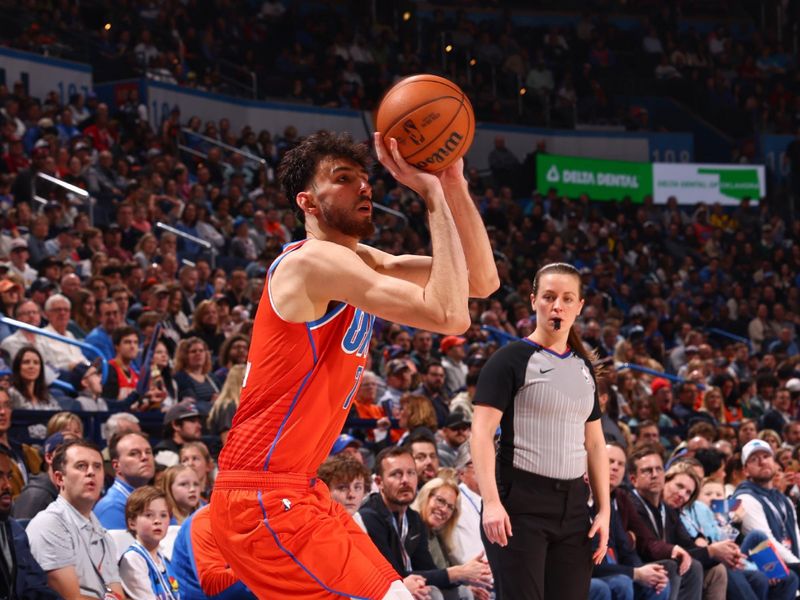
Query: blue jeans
613, 587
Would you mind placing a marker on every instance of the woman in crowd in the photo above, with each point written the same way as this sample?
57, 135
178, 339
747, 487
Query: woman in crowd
145, 572
438, 505
161, 376
416, 412
192, 368
181, 486
84, 308
220, 418
146, 250
772, 437
67, 423
196, 456
714, 406
205, 325
28, 389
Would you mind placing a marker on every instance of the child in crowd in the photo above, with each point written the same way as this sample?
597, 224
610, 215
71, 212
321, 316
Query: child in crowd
181, 487
197, 456
145, 573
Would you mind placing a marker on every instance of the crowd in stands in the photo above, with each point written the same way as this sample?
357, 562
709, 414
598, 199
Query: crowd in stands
741, 74
692, 310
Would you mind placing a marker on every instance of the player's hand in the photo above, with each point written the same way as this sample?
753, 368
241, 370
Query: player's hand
496, 523
453, 174
684, 559
417, 586
410, 176
600, 525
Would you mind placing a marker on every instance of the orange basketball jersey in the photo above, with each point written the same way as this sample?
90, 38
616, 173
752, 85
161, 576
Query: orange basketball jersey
300, 381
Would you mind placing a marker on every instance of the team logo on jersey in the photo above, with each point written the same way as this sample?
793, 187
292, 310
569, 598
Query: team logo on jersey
356, 338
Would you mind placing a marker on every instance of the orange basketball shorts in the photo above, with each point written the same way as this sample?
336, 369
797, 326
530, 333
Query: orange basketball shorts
284, 537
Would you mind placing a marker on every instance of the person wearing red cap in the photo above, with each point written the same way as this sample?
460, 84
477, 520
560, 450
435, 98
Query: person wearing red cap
455, 369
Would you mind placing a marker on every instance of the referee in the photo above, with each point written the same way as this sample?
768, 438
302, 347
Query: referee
542, 392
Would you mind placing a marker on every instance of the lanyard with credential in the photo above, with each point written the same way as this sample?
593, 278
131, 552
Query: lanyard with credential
403, 532
652, 517
97, 569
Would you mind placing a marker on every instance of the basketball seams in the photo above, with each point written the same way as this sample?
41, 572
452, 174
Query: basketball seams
394, 104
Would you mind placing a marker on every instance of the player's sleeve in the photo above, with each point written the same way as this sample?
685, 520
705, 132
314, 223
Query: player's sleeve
502, 376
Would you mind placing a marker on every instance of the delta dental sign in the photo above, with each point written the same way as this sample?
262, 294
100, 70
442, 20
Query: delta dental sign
613, 180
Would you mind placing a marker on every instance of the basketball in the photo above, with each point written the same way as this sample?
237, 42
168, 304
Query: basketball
431, 118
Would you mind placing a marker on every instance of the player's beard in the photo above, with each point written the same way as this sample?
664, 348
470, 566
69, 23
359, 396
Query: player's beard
343, 221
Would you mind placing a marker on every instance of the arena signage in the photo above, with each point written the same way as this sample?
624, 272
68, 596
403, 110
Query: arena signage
600, 179
613, 180
42, 74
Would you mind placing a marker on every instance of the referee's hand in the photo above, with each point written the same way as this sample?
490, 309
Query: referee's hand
496, 523
600, 526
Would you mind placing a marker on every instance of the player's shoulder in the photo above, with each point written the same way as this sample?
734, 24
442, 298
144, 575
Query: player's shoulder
317, 255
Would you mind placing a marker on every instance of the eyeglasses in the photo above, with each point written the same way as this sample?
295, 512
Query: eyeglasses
442, 503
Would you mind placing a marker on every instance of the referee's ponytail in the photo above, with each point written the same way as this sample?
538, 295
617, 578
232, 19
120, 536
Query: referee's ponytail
573, 339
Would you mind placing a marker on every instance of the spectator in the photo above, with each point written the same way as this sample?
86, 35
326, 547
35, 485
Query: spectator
647, 477
20, 574
433, 388
134, 467
100, 336
41, 489
192, 368
197, 456
27, 461
399, 375
780, 415
144, 571
438, 506
67, 540
83, 314
182, 489
182, 424
232, 352
416, 416
28, 312
122, 375
220, 418
347, 445
453, 354
388, 510
60, 355
201, 571
766, 509
28, 388
348, 480
423, 450
87, 380
18, 262
455, 434
206, 325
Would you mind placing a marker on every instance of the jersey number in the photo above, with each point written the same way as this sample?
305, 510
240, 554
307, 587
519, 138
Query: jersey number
352, 393
356, 338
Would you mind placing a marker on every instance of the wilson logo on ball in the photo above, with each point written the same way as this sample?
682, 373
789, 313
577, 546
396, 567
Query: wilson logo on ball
451, 145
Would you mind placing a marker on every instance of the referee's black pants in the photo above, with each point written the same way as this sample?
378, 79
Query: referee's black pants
549, 557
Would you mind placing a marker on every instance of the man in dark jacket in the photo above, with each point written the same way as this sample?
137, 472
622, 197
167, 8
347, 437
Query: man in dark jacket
21, 577
41, 489
396, 529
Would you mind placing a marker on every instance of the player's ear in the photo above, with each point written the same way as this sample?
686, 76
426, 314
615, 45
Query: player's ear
305, 200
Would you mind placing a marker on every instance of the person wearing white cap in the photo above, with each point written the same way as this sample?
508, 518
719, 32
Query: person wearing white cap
765, 508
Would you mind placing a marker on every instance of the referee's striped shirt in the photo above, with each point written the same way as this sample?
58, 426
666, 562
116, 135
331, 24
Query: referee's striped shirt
546, 399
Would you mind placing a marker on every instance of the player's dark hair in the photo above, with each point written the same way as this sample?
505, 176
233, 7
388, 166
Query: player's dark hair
299, 165
573, 340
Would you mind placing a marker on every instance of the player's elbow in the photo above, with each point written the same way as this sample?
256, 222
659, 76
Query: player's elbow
454, 322
486, 286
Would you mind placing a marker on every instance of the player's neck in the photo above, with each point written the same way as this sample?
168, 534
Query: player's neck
326, 234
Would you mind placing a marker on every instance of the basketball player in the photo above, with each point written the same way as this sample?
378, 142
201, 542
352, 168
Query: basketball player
275, 522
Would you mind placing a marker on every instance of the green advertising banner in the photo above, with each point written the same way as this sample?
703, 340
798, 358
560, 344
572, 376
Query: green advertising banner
689, 183
600, 179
